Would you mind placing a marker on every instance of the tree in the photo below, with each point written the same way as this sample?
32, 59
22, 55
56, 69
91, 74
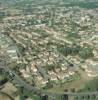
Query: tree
50, 67
44, 97
86, 53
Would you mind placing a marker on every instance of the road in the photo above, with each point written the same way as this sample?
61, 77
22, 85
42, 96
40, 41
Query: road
43, 72
25, 85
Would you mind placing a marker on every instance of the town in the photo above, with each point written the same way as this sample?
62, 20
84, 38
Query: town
50, 46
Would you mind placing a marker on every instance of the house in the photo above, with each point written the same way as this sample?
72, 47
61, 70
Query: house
96, 26
40, 55
61, 76
24, 73
39, 62
92, 75
14, 57
71, 73
44, 82
63, 68
51, 58
67, 75
39, 78
84, 66
45, 60
51, 73
53, 77
46, 53
95, 52
57, 70
33, 68
11, 51
50, 62
91, 62
40, 25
